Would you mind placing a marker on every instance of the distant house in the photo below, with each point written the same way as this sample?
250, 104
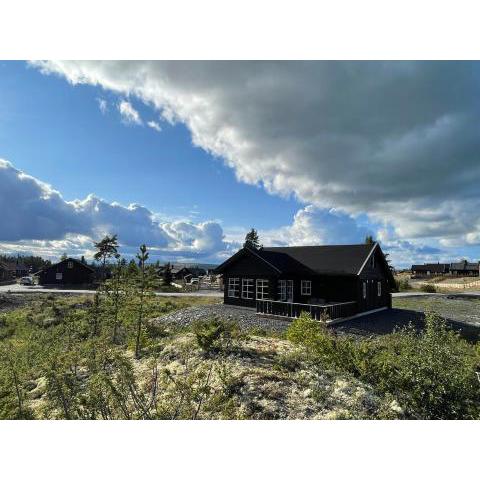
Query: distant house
19, 269
465, 269
5, 273
180, 272
67, 272
430, 269
342, 280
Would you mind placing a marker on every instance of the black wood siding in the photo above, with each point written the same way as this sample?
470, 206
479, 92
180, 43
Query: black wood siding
325, 288
77, 275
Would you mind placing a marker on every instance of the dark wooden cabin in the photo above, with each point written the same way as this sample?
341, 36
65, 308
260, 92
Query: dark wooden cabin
465, 269
270, 279
179, 272
67, 272
430, 269
5, 273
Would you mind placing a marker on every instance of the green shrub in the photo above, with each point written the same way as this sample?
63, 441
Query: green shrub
402, 285
429, 288
432, 374
214, 335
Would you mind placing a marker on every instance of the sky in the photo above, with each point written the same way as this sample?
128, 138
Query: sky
186, 157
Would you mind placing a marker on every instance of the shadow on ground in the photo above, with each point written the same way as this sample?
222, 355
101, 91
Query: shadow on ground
387, 321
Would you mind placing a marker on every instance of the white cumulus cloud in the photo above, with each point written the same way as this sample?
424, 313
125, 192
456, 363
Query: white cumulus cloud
155, 125
128, 113
102, 105
37, 217
397, 141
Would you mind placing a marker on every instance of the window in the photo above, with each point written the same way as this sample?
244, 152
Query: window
282, 290
379, 289
372, 261
262, 289
306, 287
59, 276
247, 288
364, 290
70, 265
233, 287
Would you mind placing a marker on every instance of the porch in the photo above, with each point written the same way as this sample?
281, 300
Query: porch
293, 310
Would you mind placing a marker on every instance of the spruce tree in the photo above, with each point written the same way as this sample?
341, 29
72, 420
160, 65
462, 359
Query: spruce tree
252, 240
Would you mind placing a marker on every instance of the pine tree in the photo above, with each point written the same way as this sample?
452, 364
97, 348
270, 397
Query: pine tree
252, 240
369, 240
145, 285
106, 248
167, 274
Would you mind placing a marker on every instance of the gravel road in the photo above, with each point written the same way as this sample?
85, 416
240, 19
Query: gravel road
16, 288
245, 317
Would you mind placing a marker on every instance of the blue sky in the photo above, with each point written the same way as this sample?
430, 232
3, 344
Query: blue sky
69, 138
306, 152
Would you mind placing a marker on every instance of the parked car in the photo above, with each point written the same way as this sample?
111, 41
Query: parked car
26, 281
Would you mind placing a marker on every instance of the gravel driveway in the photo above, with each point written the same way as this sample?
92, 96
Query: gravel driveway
379, 323
245, 317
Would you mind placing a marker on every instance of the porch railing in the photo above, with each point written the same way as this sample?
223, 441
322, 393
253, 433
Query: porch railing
293, 310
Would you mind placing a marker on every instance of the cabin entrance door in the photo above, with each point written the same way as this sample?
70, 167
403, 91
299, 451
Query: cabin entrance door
290, 291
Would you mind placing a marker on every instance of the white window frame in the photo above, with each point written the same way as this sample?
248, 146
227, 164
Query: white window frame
262, 289
59, 276
248, 288
306, 287
379, 289
364, 287
282, 290
69, 264
233, 287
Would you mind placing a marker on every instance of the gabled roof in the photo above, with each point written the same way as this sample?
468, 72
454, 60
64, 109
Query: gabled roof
323, 260
464, 266
78, 262
432, 267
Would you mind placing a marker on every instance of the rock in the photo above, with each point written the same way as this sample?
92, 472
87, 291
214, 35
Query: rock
307, 393
40, 389
395, 407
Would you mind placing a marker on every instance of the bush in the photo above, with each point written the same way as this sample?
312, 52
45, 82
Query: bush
427, 287
432, 374
214, 335
402, 285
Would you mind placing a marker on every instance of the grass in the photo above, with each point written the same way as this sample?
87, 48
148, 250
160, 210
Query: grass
210, 370
58, 359
458, 309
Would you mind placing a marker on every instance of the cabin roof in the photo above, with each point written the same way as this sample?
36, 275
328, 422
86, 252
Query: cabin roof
432, 267
74, 260
323, 259
464, 266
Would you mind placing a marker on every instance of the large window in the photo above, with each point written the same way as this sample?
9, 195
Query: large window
59, 276
262, 289
282, 290
247, 288
379, 289
233, 287
306, 287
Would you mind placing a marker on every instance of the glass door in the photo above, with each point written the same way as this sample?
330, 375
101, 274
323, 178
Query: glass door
290, 291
